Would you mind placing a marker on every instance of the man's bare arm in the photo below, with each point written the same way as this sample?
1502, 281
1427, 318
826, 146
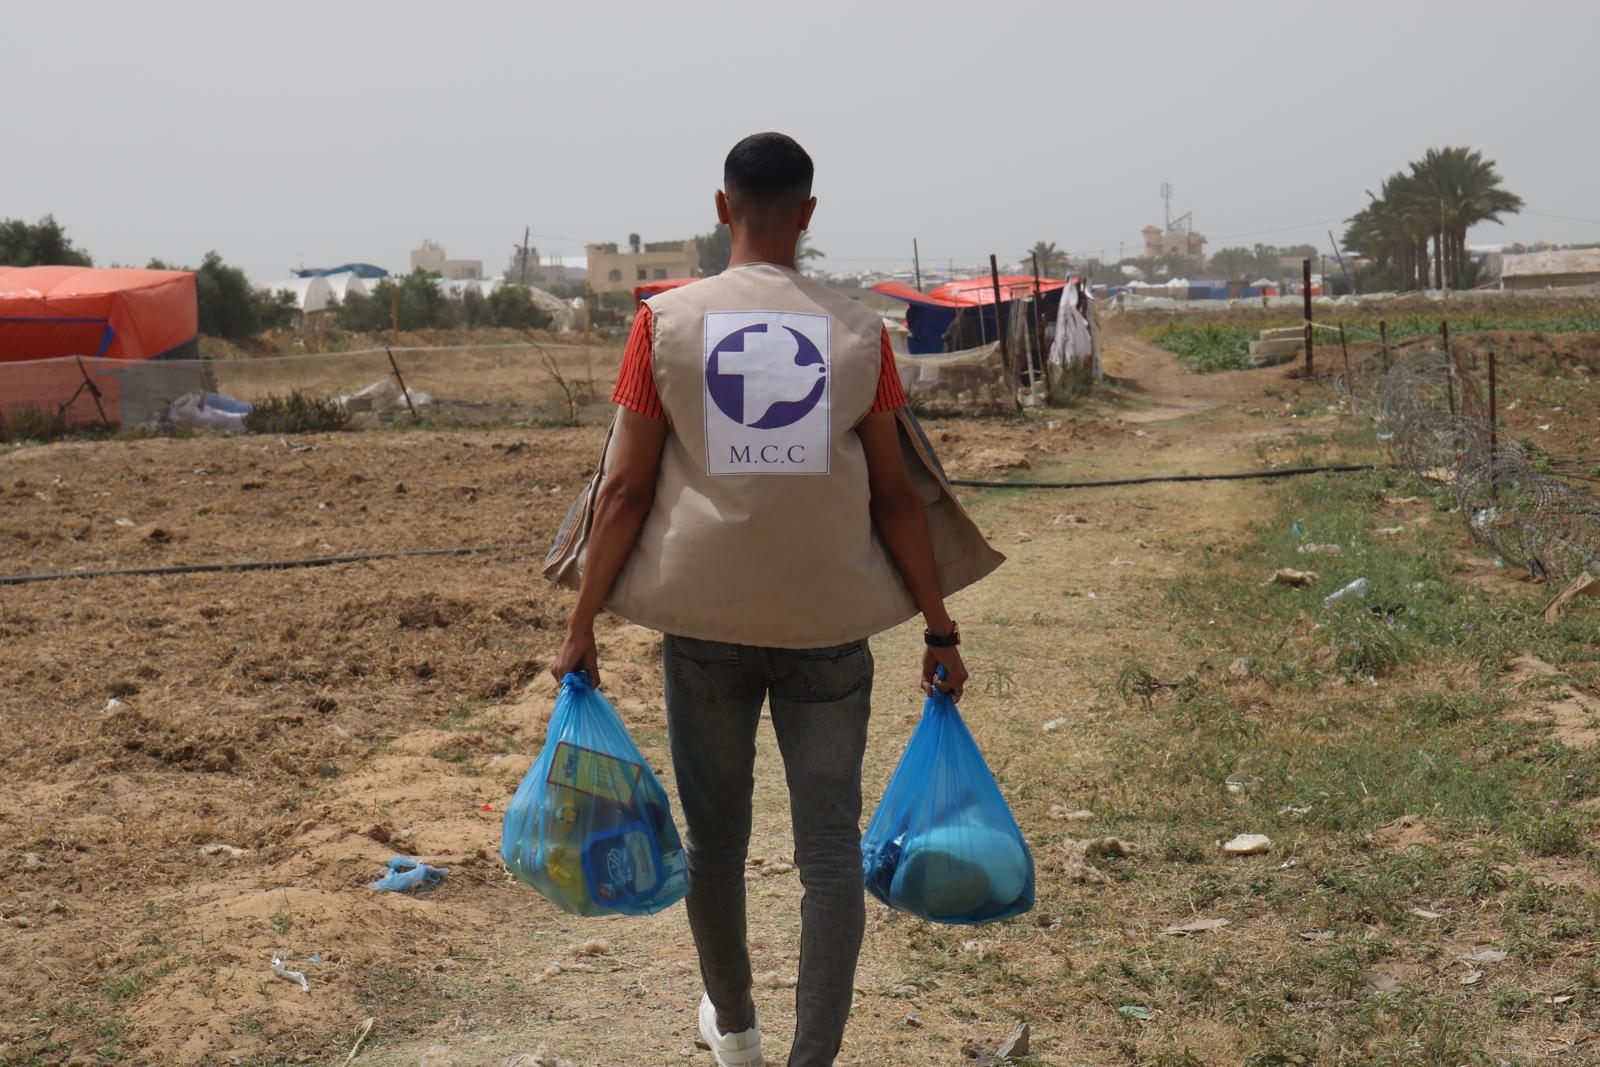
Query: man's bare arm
626, 494
901, 521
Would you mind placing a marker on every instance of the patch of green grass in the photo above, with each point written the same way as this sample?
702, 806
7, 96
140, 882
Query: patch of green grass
296, 413
29, 423
281, 923
125, 990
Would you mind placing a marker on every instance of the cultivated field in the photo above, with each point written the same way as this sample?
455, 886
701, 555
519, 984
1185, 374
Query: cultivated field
1427, 772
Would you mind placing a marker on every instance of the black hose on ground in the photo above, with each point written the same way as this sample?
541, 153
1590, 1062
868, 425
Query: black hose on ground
247, 565
1281, 472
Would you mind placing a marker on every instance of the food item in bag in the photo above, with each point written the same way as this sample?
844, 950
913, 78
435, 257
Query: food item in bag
589, 827
943, 843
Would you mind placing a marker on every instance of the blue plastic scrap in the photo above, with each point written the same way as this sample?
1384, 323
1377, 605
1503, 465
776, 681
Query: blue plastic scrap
406, 874
943, 844
590, 827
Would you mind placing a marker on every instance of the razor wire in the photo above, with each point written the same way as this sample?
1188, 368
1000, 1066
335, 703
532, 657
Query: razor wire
1435, 421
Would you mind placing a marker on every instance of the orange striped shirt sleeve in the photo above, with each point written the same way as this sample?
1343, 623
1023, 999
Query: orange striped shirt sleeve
890, 394
636, 381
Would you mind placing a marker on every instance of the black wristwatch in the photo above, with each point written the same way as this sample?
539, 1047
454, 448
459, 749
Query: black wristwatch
949, 640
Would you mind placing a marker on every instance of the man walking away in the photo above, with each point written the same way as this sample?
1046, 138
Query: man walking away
767, 502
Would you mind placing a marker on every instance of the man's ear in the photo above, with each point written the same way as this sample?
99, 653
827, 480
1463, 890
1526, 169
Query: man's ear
724, 216
805, 212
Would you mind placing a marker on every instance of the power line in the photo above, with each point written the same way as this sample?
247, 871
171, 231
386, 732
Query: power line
1563, 218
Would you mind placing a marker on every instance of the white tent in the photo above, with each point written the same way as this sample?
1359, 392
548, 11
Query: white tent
310, 294
346, 282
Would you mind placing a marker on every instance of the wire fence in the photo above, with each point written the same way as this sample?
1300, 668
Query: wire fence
469, 383
1435, 420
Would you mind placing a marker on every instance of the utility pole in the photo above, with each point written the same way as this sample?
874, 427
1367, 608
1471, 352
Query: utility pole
394, 310
916, 259
525, 234
1351, 278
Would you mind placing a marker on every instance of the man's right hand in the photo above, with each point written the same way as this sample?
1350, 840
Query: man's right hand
578, 653
955, 671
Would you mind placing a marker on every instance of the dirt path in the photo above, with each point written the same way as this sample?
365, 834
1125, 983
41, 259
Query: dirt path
1046, 636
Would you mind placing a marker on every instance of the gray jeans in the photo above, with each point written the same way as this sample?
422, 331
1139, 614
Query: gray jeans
820, 699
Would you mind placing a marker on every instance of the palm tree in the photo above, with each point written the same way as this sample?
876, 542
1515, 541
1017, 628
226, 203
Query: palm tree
1468, 191
1051, 258
804, 252
1446, 192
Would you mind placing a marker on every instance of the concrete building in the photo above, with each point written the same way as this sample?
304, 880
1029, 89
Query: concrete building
1178, 241
1540, 270
545, 275
430, 257
613, 271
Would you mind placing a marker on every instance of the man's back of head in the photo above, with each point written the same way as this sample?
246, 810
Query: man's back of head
766, 185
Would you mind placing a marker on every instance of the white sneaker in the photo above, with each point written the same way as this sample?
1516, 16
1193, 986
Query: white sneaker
732, 1050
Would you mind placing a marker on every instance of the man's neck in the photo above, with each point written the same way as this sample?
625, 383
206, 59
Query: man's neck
744, 252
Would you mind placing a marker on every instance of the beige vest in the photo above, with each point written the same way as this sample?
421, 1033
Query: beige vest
760, 532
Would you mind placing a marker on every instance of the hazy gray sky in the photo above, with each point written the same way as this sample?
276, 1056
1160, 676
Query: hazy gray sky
287, 132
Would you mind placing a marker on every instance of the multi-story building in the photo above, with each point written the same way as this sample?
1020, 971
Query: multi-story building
1179, 240
614, 271
531, 270
430, 257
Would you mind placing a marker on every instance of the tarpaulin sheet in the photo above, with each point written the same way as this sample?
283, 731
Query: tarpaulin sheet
116, 313
929, 315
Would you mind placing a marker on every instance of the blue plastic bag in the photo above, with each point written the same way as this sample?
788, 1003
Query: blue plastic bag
943, 844
589, 827
406, 874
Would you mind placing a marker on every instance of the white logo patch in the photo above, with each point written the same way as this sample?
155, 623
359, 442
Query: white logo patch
767, 389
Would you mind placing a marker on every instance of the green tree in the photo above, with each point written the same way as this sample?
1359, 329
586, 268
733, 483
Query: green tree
474, 308
715, 249
1234, 263
40, 244
1052, 260
512, 305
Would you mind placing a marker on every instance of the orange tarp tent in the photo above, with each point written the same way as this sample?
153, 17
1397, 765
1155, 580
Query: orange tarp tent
73, 339
47, 312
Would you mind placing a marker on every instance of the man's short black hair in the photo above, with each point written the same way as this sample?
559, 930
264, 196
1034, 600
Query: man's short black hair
766, 167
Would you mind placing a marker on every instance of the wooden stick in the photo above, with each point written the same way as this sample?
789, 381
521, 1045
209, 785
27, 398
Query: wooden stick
1038, 330
403, 390
94, 391
1005, 344
1305, 288
1449, 366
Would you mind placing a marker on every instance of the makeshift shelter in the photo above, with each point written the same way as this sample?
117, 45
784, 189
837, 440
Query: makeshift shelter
310, 294
47, 312
97, 345
968, 306
344, 283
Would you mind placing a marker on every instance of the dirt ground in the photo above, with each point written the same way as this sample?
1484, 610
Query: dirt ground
314, 722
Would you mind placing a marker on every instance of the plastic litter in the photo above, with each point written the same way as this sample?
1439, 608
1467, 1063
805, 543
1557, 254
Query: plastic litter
406, 874
590, 827
208, 411
943, 845
296, 977
1358, 588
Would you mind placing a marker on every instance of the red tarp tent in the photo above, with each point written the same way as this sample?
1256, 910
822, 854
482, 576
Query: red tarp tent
644, 292
47, 312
